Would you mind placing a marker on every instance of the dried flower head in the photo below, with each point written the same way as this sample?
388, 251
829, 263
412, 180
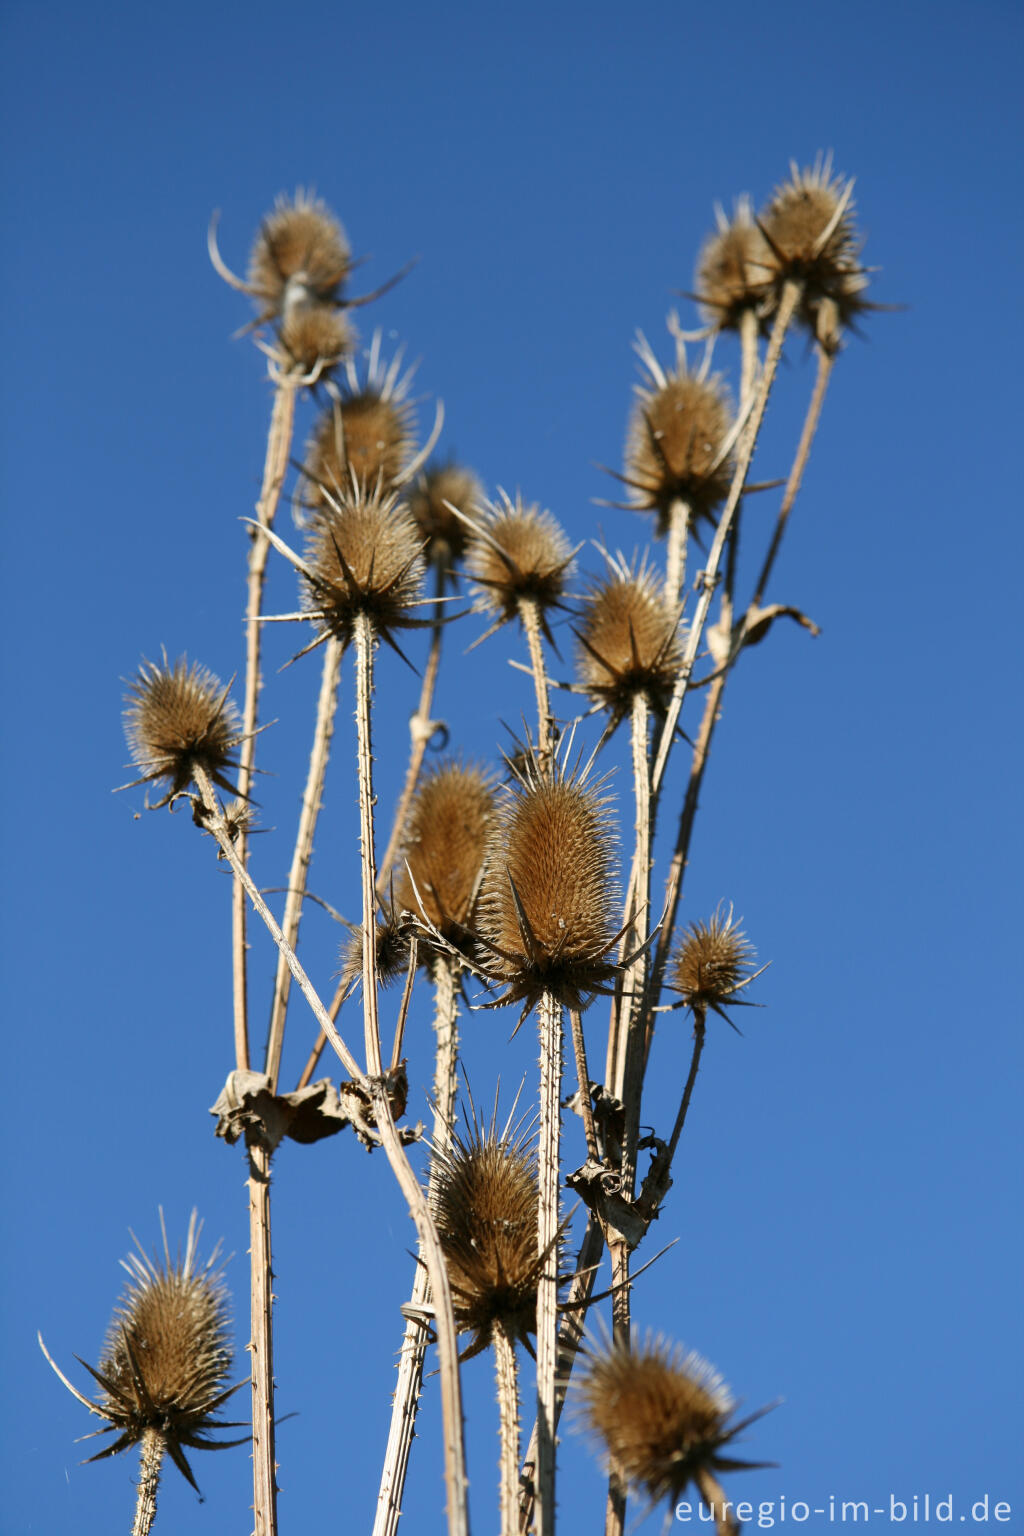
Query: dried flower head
179, 719
439, 488
733, 271
662, 1415
167, 1356
518, 553
628, 639
712, 964
363, 557
812, 238
484, 1198
450, 821
391, 938
366, 436
677, 444
316, 339
546, 905
301, 257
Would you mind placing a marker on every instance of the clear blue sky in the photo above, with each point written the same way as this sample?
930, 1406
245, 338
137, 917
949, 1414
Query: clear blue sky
848, 1191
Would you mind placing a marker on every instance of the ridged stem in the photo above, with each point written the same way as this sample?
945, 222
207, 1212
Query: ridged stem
151, 1456
675, 553
549, 1182
529, 612
261, 1345
507, 1379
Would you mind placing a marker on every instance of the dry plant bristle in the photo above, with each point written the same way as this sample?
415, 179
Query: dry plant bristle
674, 442
733, 270
391, 940
661, 1414
712, 963
177, 719
364, 552
802, 213
439, 488
520, 553
300, 257
450, 821
547, 901
628, 640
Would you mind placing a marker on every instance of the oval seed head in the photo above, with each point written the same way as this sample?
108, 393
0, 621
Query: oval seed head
812, 238
316, 338
167, 1354
300, 258
484, 1199
364, 553
450, 821
546, 905
392, 942
713, 962
437, 490
628, 640
365, 438
674, 443
662, 1415
180, 718
733, 270
519, 553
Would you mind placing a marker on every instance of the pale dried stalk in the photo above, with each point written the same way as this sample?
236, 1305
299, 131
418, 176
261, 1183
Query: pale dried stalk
549, 1015
433, 1257
261, 1346
579, 1047
713, 1495
151, 1455
507, 1378
529, 613
675, 553
297, 874
749, 329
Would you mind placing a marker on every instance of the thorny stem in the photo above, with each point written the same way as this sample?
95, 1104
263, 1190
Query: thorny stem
529, 612
628, 1080
579, 1048
675, 554
507, 1378
698, 1047
312, 1060
261, 1346
548, 1179
749, 329
437, 1272
713, 1495
151, 1455
421, 729
275, 465
311, 802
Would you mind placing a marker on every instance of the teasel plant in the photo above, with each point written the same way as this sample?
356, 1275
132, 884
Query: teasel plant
505, 896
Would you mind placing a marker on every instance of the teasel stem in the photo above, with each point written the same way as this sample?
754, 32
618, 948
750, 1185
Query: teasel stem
405, 1402
713, 1495
507, 1377
529, 613
749, 329
430, 1246
279, 440
421, 728
548, 1179
699, 1019
675, 553
579, 1048
261, 1345
311, 802
151, 1456
313, 1059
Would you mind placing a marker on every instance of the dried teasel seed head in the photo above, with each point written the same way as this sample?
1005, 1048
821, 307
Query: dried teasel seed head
450, 821
674, 444
812, 238
178, 719
301, 257
661, 1414
316, 339
712, 963
391, 938
628, 639
439, 488
367, 434
518, 553
365, 556
545, 916
484, 1199
733, 269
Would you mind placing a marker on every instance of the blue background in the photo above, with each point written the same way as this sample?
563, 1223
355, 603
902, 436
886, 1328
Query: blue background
847, 1190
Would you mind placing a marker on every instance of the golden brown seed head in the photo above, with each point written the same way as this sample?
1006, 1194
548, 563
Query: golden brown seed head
316, 338
300, 257
485, 1199
364, 552
520, 553
674, 447
450, 822
547, 901
809, 244
733, 271
365, 438
437, 490
662, 1415
628, 640
179, 718
713, 961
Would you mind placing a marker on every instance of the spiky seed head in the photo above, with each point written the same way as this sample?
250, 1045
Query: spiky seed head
316, 338
677, 429
450, 821
391, 939
628, 640
301, 257
519, 553
733, 271
364, 552
712, 962
661, 1414
439, 488
179, 718
547, 901
365, 438
802, 211
484, 1198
